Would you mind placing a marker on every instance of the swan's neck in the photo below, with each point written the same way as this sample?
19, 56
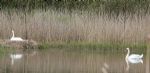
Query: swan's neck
127, 68
128, 54
13, 35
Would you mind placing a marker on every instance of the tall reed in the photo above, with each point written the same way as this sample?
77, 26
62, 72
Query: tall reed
52, 25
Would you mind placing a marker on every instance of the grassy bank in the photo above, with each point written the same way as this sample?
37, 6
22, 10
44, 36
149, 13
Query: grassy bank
4, 50
82, 47
97, 48
90, 45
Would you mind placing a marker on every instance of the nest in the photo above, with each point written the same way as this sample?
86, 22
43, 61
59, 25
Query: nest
27, 44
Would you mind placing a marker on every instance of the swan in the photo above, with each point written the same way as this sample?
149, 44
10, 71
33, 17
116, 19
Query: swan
15, 57
13, 38
133, 58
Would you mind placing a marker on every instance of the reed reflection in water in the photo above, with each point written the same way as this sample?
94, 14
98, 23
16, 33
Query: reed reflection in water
60, 61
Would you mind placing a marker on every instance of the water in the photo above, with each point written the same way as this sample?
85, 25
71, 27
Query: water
60, 60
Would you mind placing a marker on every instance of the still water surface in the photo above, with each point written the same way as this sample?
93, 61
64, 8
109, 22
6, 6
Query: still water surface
73, 61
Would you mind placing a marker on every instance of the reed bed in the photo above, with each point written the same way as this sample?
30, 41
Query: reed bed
63, 26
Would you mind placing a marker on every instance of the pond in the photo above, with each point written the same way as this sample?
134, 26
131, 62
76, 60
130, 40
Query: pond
66, 60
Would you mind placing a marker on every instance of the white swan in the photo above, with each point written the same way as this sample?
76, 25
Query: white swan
134, 58
13, 38
15, 57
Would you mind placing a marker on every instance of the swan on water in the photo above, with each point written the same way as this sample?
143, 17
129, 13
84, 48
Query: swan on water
133, 58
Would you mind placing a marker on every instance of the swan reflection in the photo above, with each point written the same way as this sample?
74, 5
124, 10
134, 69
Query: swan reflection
15, 57
105, 68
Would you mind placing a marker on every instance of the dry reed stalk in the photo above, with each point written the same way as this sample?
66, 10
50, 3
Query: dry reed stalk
62, 26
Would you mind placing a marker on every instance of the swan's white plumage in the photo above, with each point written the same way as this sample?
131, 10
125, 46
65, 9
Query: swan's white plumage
135, 56
13, 38
16, 39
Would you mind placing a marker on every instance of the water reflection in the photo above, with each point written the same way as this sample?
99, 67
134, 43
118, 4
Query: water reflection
148, 60
15, 57
18, 55
64, 61
105, 68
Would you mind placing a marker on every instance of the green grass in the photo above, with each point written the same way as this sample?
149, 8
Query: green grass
4, 50
89, 45
97, 48
84, 47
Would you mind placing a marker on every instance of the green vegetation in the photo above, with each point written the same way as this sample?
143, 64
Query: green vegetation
103, 6
77, 20
91, 45
4, 50
90, 48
